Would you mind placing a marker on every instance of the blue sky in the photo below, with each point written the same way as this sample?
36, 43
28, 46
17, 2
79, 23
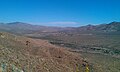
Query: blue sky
60, 12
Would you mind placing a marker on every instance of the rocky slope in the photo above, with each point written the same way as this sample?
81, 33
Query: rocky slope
36, 56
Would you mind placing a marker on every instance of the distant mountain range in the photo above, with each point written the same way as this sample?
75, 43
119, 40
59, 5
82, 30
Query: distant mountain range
23, 28
113, 26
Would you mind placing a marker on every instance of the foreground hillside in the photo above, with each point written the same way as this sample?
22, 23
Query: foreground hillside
36, 56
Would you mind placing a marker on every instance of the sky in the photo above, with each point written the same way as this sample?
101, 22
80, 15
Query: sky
60, 12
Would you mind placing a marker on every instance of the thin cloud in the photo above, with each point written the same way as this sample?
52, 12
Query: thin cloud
63, 23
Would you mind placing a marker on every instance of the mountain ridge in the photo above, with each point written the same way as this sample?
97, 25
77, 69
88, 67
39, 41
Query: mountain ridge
26, 28
113, 26
23, 28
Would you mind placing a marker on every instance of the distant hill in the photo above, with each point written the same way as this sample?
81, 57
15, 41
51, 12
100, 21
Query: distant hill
23, 28
113, 26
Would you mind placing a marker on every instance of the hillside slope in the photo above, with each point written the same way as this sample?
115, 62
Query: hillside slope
37, 56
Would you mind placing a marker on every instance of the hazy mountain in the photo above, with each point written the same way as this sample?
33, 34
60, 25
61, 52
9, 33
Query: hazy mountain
23, 28
113, 26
